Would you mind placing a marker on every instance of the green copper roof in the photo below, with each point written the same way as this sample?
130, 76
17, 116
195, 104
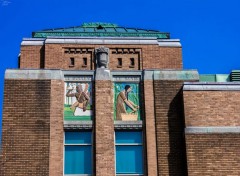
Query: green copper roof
100, 30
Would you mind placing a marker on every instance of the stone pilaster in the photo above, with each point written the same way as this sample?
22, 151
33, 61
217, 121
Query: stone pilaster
150, 124
104, 125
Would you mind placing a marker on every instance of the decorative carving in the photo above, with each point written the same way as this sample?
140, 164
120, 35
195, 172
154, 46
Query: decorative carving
77, 50
78, 78
102, 58
125, 51
126, 78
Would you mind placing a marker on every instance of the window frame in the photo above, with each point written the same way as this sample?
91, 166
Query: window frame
119, 62
85, 62
87, 144
130, 144
132, 62
72, 62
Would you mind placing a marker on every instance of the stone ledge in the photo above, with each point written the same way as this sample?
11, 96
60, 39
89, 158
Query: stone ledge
33, 42
34, 74
103, 74
175, 43
128, 125
71, 125
205, 86
78, 72
102, 41
171, 75
210, 130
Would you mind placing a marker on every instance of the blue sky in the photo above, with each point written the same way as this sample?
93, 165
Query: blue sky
209, 30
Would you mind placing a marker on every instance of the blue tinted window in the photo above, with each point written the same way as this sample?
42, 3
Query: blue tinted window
78, 160
78, 153
129, 152
78, 138
128, 137
129, 160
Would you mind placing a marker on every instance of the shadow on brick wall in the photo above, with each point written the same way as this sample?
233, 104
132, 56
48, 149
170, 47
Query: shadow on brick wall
177, 156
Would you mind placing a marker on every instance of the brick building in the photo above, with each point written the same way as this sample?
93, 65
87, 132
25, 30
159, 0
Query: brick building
104, 100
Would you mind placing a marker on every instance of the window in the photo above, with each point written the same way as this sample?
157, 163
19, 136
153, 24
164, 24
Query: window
129, 153
132, 62
119, 62
84, 62
72, 61
78, 153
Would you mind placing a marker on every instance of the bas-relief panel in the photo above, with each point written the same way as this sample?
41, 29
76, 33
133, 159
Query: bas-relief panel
126, 101
78, 101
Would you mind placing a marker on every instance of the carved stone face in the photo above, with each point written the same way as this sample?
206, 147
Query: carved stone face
102, 57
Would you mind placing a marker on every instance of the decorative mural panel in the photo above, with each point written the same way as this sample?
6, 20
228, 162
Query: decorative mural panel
126, 101
78, 101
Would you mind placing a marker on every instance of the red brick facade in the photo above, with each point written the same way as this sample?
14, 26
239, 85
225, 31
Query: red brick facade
171, 152
211, 108
56, 128
176, 122
150, 128
26, 127
104, 131
213, 154
32, 57
58, 56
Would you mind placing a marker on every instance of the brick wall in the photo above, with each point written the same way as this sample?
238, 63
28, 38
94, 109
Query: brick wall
146, 57
171, 152
32, 57
212, 108
104, 128
25, 130
150, 128
56, 128
170, 57
213, 154
125, 56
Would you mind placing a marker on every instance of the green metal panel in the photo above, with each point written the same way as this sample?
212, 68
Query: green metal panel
100, 30
207, 78
222, 78
214, 78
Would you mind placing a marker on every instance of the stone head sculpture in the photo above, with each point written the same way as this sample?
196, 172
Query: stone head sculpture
102, 58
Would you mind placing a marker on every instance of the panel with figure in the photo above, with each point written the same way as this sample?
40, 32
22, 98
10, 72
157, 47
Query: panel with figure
126, 101
78, 101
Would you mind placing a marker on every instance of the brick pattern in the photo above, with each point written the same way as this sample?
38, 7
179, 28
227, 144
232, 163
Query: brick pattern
169, 128
79, 55
26, 127
126, 62
32, 57
170, 57
150, 57
150, 129
104, 128
213, 154
56, 128
212, 108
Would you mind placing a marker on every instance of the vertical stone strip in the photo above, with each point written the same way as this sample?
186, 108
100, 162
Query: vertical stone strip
150, 124
56, 128
104, 125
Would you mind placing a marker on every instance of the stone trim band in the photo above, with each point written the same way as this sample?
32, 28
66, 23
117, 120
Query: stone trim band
210, 130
